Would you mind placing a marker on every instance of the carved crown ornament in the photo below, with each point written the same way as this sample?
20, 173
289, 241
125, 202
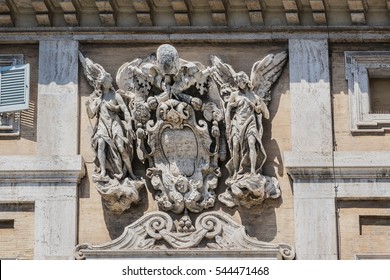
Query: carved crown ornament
182, 119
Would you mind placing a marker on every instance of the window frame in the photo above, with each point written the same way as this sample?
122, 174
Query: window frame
10, 120
358, 64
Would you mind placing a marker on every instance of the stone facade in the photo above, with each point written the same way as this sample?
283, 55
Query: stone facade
332, 166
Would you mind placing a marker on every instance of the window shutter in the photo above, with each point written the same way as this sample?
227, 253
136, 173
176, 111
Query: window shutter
14, 88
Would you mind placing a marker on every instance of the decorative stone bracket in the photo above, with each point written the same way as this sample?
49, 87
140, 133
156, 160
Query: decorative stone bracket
360, 66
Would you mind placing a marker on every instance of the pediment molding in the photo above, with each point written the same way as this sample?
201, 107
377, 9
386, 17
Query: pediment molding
213, 234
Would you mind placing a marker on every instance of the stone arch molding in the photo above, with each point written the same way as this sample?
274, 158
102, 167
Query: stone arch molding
181, 117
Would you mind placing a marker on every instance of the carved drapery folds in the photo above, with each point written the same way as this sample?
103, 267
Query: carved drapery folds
245, 104
180, 117
112, 140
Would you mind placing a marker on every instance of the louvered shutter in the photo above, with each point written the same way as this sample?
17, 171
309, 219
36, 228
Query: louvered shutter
14, 88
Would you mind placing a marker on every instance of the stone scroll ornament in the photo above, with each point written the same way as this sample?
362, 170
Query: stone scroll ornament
174, 115
213, 234
245, 104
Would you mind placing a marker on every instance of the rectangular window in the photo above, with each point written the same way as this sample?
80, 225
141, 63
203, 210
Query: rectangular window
14, 93
368, 75
7, 224
374, 225
379, 95
14, 88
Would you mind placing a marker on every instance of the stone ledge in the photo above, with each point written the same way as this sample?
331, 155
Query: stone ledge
343, 165
170, 253
41, 169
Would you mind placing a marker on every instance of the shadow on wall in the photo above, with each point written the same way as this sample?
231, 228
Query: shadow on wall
116, 223
85, 185
274, 163
28, 123
260, 221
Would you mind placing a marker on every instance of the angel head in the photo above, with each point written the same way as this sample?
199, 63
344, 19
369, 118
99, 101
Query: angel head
242, 80
168, 59
105, 80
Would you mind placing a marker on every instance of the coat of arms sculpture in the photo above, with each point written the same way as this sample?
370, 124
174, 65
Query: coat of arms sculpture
183, 119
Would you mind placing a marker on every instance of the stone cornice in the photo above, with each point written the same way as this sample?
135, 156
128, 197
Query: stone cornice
196, 34
340, 165
192, 12
41, 169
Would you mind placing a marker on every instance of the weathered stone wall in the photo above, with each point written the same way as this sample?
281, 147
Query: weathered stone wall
17, 220
363, 225
364, 228
17, 230
271, 224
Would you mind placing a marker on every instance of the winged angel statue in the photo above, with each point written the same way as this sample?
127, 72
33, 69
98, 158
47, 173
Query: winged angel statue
172, 114
246, 103
111, 139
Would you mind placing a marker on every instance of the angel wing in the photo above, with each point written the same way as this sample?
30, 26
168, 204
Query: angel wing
265, 72
124, 74
92, 71
224, 72
136, 72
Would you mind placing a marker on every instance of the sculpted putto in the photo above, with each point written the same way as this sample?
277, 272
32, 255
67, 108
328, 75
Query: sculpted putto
173, 114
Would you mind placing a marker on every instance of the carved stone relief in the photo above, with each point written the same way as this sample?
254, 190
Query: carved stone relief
182, 119
174, 114
213, 232
112, 140
245, 104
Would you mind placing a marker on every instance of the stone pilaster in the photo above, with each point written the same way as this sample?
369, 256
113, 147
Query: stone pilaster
311, 129
58, 98
311, 115
50, 179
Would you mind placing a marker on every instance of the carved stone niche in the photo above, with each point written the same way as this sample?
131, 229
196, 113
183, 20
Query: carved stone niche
214, 235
